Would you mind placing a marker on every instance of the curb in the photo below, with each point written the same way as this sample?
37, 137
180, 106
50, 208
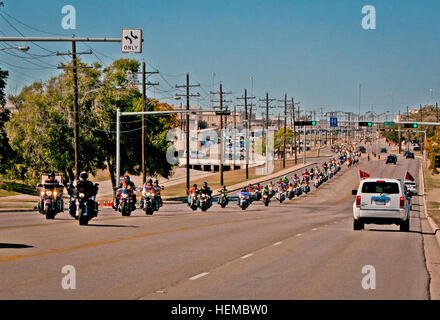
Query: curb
431, 222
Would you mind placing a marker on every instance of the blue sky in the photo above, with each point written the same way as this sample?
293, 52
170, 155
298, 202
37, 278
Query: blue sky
315, 51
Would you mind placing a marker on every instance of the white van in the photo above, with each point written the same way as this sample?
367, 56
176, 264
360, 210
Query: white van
381, 201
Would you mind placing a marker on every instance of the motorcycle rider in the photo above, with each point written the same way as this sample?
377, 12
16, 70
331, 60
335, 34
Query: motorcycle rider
126, 182
148, 187
53, 183
158, 189
224, 193
207, 190
285, 180
84, 185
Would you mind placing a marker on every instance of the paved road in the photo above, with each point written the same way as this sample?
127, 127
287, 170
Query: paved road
302, 249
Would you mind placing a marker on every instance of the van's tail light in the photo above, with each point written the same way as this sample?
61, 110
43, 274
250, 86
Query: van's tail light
402, 202
358, 201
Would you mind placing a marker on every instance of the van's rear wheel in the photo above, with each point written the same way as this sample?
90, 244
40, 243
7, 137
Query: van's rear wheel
358, 225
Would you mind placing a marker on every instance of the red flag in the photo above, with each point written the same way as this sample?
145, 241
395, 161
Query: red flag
363, 174
409, 177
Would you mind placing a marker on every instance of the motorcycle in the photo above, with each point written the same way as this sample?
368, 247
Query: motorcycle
51, 200
281, 194
223, 200
266, 198
290, 192
126, 201
203, 201
83, 207
243, 200
306, 189
150, 202
192, 201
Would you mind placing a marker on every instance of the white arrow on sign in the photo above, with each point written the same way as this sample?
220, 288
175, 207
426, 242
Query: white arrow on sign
131, 41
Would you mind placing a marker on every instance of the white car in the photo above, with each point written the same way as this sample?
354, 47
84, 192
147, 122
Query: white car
381, 201
411, 186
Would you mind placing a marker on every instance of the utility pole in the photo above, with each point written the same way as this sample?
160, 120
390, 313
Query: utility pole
75, 101
267, 100
144, 99
221, 146
187, 95
247, 124
285, 128
400, 136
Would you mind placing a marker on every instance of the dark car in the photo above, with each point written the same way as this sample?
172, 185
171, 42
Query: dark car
383, 150
362, 149
392, 158
409, 155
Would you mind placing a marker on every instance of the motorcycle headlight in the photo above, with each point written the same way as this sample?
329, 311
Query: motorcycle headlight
203, 195
55, 193
42, 193
148, 194
81, 195
193, 194
49, 193
124, 195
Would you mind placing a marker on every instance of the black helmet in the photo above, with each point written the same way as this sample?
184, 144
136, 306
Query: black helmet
195, 185
51, 175
150, 181
127, 178
83, 176
205, 184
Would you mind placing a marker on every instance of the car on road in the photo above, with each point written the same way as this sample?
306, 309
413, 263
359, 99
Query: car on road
410, 186
392, 158
383, 150
362, 149
409, 155
381, 201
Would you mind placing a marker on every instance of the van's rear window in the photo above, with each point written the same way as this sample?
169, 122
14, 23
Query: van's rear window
380, 187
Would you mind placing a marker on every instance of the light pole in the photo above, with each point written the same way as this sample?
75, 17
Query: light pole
21, 48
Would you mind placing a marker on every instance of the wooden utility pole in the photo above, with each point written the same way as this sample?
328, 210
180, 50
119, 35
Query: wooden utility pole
144, 99
247, 124
221, 93
187, 86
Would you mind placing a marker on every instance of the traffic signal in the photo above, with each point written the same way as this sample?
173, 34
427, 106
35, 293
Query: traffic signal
391, 130
379, 130
437, 161
411, 125
365, 124
305, 123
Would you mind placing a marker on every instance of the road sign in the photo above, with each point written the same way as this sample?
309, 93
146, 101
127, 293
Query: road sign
389, 123
131, 41
333, 122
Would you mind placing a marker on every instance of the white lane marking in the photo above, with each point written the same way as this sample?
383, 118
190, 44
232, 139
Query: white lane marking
277, 243
199, 276
247, 256
314, 229
299, 235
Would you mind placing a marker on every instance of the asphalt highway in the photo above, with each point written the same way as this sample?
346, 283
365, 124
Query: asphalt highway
305, 248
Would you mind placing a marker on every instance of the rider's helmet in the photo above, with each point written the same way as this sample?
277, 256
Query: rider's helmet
205, 184
83, 176
195, 185
224, 187
150, 181
156, 182
51, 175
127, 178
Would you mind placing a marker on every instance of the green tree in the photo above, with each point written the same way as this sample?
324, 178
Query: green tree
6, 152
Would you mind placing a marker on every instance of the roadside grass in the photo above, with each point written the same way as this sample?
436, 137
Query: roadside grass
432, 186
16, 187
101, 175
6, 193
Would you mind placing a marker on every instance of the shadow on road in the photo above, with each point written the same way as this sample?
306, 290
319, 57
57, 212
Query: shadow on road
412, 231
14, 246
112, 226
